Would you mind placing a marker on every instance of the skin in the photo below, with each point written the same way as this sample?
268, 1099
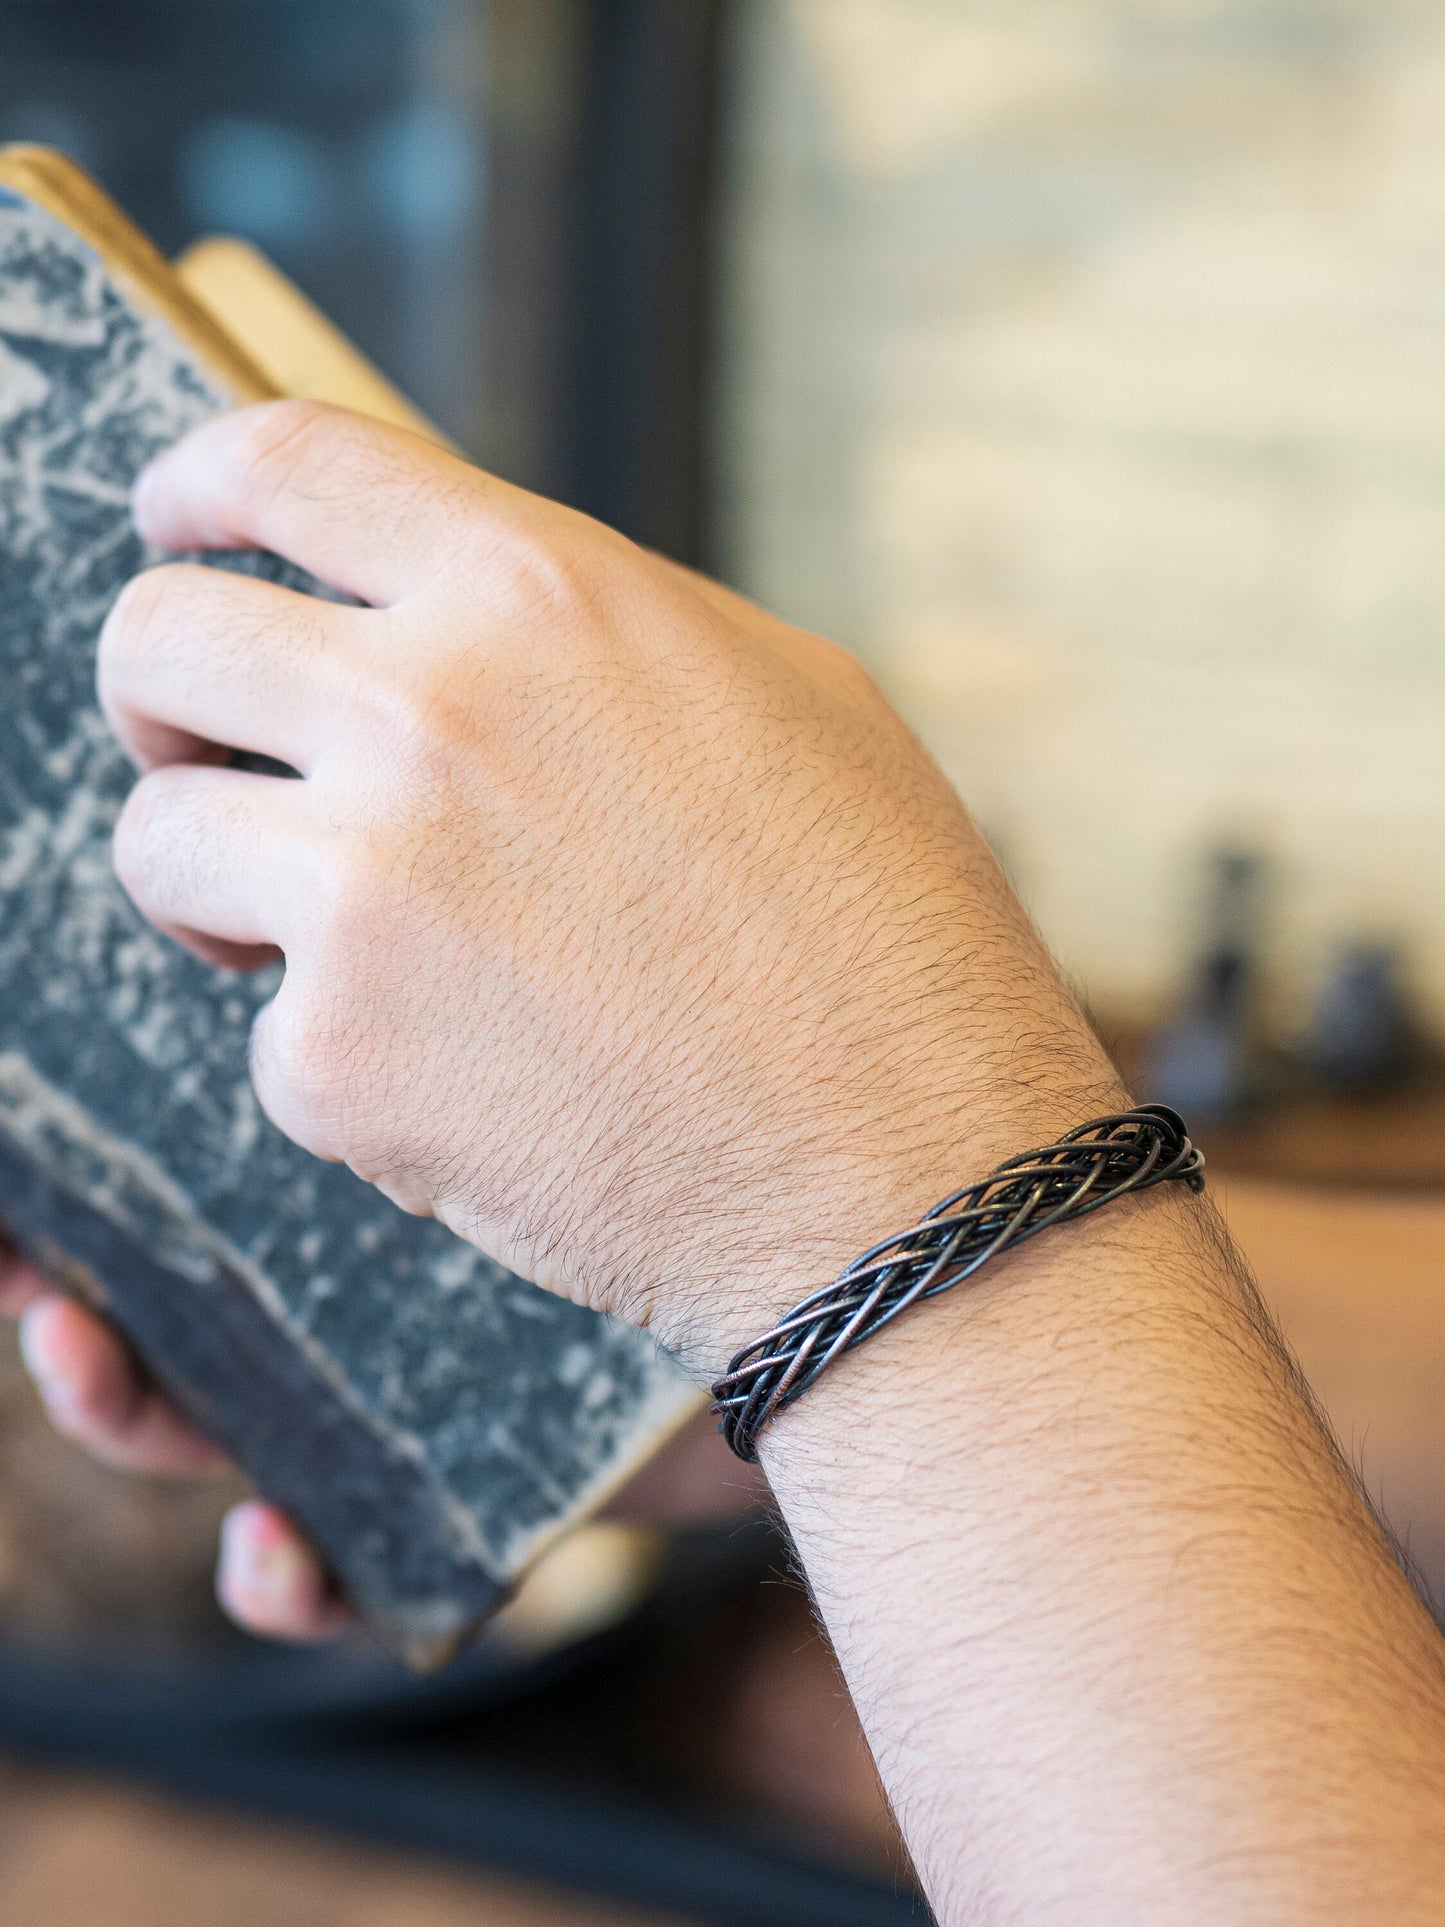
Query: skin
592, 847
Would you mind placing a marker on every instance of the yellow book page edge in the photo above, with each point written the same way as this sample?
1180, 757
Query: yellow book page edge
67, 192
256, 333
288, 337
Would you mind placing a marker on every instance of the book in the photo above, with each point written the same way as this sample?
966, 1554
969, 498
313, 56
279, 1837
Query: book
291, 344
431, 1421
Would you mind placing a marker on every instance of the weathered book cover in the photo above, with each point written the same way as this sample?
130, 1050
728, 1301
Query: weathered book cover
432, 1421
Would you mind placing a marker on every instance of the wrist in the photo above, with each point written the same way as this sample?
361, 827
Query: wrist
1093, 1166
832, 1202
999, 1356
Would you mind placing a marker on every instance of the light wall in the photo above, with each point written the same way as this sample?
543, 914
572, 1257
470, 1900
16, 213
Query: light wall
1086, 373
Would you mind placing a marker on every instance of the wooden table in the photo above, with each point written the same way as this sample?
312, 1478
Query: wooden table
80, 1854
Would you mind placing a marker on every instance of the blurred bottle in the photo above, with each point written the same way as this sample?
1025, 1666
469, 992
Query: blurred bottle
1209, 1060
1363, 1036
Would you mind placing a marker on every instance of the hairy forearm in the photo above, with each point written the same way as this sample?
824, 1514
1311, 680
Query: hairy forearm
1126, 1640
662, 882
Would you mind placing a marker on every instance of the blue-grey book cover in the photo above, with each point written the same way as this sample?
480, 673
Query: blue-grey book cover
432, 1421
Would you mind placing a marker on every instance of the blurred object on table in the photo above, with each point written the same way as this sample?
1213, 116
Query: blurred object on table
1365, 1036
1356, 1098
1373, 1139
1207, 1060
1389, 1143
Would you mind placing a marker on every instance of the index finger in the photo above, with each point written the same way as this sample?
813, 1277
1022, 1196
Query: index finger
372, 510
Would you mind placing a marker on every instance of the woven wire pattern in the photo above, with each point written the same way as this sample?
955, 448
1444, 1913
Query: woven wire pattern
1088, 1168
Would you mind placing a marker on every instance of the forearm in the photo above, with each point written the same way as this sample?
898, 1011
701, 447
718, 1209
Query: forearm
1126, 1641
664, 885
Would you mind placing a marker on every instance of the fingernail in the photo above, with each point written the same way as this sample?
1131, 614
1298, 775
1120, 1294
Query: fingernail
256, 1564
49, 1379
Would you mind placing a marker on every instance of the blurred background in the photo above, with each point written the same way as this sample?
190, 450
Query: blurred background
1081, 365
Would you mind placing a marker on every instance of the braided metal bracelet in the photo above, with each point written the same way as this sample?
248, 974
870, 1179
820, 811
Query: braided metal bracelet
1088, 1168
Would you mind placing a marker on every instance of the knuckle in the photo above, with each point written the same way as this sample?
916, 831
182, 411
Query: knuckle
134, 615
283, 440
275, 1079
357, 902
424, 715
276, 1062
286, 1068
300, 1072
156, 618
561, 576
418, 720
140, 817
167, 829
137, 834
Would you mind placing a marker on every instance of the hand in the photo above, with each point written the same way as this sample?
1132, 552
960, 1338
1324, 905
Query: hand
268, 1578
626, 928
